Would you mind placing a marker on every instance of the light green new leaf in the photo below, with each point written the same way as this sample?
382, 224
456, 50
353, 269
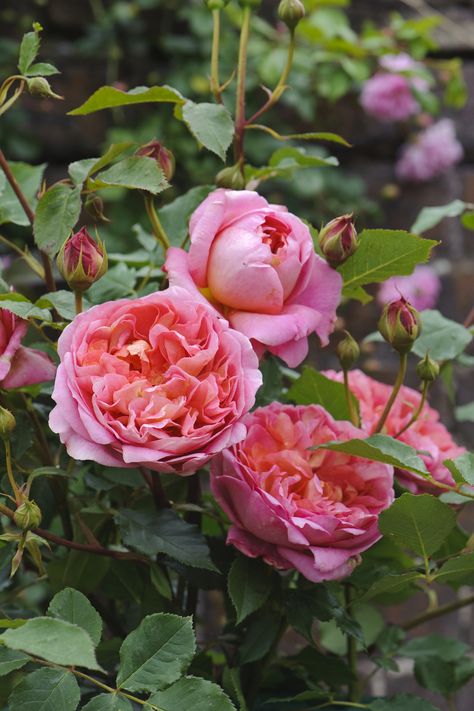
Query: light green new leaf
382, 254
381, 448
46, 690
308, 136
23, 308
72, 606
108, 97
164, 532
313, 388
465, 413
56, 214
135, 173
157, 653
192, 693
211, 125
55, 640
108, 702
292, 157
442, 338
62, 301
29, 178
175, 216
419, 522
457, 571
42, 69
250, 584
429, 217
28, 50
82, 169
10, 660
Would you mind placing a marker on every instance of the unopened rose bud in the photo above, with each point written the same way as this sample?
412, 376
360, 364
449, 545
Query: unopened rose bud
427, 369
7, 422
231, 178
215, 4
27, 515
291, 12
39, 86
165, 159
347, 351
338, 240
82, 261
400, 325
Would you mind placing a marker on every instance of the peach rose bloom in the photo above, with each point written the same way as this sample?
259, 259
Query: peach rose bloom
312, 510
256, 264
427, 434
160, 381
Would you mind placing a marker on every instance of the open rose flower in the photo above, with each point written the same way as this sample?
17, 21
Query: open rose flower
313, 510
427, 434
433, 151
19, 365
160, 381
256, 264
389, 97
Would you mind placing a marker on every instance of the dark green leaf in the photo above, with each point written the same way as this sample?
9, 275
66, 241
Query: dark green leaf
402, 702
46, 690
117, 283
457, 571
391, 584
409, 522
192, 693
442, 338
433, 645
319, 603
164, 532
260, 634
72, 606
382, 254
381, 448
313, 388
429, 217
29, 178
175, 216
108, 702
157, 653
55, 640
107, 97
135, 173
10, 660
250, 583
56, 214
211, 125
462, 468
443, 677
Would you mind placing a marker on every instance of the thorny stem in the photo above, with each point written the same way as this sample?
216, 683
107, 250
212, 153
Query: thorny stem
215, 85
11, 478
281, 85
402, 369
438, 612
240, 96
48, 273
416, 414
350, 400
74, 545
156, 225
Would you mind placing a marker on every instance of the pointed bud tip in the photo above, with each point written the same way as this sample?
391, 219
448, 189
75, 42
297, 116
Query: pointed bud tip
347, 351
427, 369
400, 325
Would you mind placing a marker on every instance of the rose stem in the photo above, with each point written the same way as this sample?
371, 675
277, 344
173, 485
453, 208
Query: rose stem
351, 649
416, 414
156, 225
11, 478
402, 369
215, 85
194, 497
153, 482
78, 301
48, 273
350, 400
240, 96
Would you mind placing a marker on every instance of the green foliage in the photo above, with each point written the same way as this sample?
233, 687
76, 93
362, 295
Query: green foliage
409, 522
56, 214
108, 97
135, 173
429, 217
175, 215
107, 702
313, 388
441, 337
211, 125
382, 254
10, 660
29, 179
250, 583
45, 690
72, 606
192, 693
156, 653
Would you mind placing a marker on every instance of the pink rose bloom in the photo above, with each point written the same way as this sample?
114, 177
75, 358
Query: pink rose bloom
421, 288
256, 264
315, 511
389, 97
160, 381
20, 366
434, 150
401, 62
428, 435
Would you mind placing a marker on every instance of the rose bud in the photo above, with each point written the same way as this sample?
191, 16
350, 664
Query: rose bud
82, 261
7, 422
347, 351
27, 515
427, 369
338, 240
291, 12
400, 325
164, 157
231, 178
39, 86
215, 4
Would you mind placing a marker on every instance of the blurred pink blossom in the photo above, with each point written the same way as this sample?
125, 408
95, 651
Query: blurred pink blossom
421, 288
434, 150
389, 97
401, 62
